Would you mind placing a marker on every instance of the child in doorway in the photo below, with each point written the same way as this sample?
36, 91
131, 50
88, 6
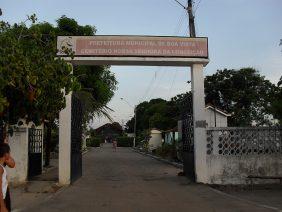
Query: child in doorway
5, 205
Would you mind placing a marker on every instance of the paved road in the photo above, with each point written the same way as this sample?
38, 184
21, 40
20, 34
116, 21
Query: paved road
125, 181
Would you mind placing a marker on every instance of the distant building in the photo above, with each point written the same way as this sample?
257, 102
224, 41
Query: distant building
213, 116
170, 136
216, 117
109, 131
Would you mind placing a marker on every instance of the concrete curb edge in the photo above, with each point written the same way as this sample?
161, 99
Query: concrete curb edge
177, 165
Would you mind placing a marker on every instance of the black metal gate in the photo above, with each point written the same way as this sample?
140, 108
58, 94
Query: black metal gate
188, 138
35, 139
76, 138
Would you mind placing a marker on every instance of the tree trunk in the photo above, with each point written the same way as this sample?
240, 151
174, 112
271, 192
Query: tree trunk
48, 144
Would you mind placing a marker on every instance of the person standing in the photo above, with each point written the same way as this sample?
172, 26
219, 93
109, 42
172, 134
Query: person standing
115, 145
10, 162
5, 203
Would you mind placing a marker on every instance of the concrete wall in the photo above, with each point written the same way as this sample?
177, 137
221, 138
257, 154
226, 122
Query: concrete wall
234, 153
235, 169
19, 151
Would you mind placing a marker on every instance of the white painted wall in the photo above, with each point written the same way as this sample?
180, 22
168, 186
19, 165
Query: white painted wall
199, 123
65, 143
235, 169
19, 151
155, 140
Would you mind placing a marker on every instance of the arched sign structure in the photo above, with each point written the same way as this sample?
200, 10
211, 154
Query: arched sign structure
143, 51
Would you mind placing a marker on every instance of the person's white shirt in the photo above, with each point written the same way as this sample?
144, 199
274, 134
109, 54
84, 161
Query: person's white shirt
4, 182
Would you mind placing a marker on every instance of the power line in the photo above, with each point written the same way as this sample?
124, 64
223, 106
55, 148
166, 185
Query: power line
180, 4
157, 85
149, 86
154, 78
180, 23
197, 6
172, 84
190, 28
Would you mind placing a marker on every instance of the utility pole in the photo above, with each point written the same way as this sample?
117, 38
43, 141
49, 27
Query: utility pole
191, 16
191, 19
135, 123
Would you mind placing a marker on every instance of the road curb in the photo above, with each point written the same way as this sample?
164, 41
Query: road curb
177, 165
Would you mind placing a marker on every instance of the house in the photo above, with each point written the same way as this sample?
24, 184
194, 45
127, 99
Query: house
216, 117
170, 136
109, 131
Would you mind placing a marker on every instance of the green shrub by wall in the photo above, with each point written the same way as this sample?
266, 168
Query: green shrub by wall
124, 141
94, 142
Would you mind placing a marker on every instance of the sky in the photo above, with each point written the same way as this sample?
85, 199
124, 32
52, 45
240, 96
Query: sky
241, 33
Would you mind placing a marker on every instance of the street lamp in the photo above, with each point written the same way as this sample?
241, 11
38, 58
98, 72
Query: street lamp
135, 119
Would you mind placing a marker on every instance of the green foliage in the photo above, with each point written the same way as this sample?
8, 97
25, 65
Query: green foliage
142, 139
167, 151
276, 105
157, 113
124, 141
31, 78
244, 93
94, 142
98, 84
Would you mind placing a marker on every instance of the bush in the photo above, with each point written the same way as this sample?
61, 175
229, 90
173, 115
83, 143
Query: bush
94, 142
124, 141
166, 151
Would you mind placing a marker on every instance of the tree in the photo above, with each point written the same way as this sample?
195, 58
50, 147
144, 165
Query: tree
248, 96
97, 83
32, 80
29, 73
244, 93
276, 105
158, 113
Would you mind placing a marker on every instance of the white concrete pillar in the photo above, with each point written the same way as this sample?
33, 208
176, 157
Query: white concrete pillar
197, 78
65, 143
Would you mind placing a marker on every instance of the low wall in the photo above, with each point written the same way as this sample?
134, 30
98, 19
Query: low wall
235, 170
235, 153
19, 151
